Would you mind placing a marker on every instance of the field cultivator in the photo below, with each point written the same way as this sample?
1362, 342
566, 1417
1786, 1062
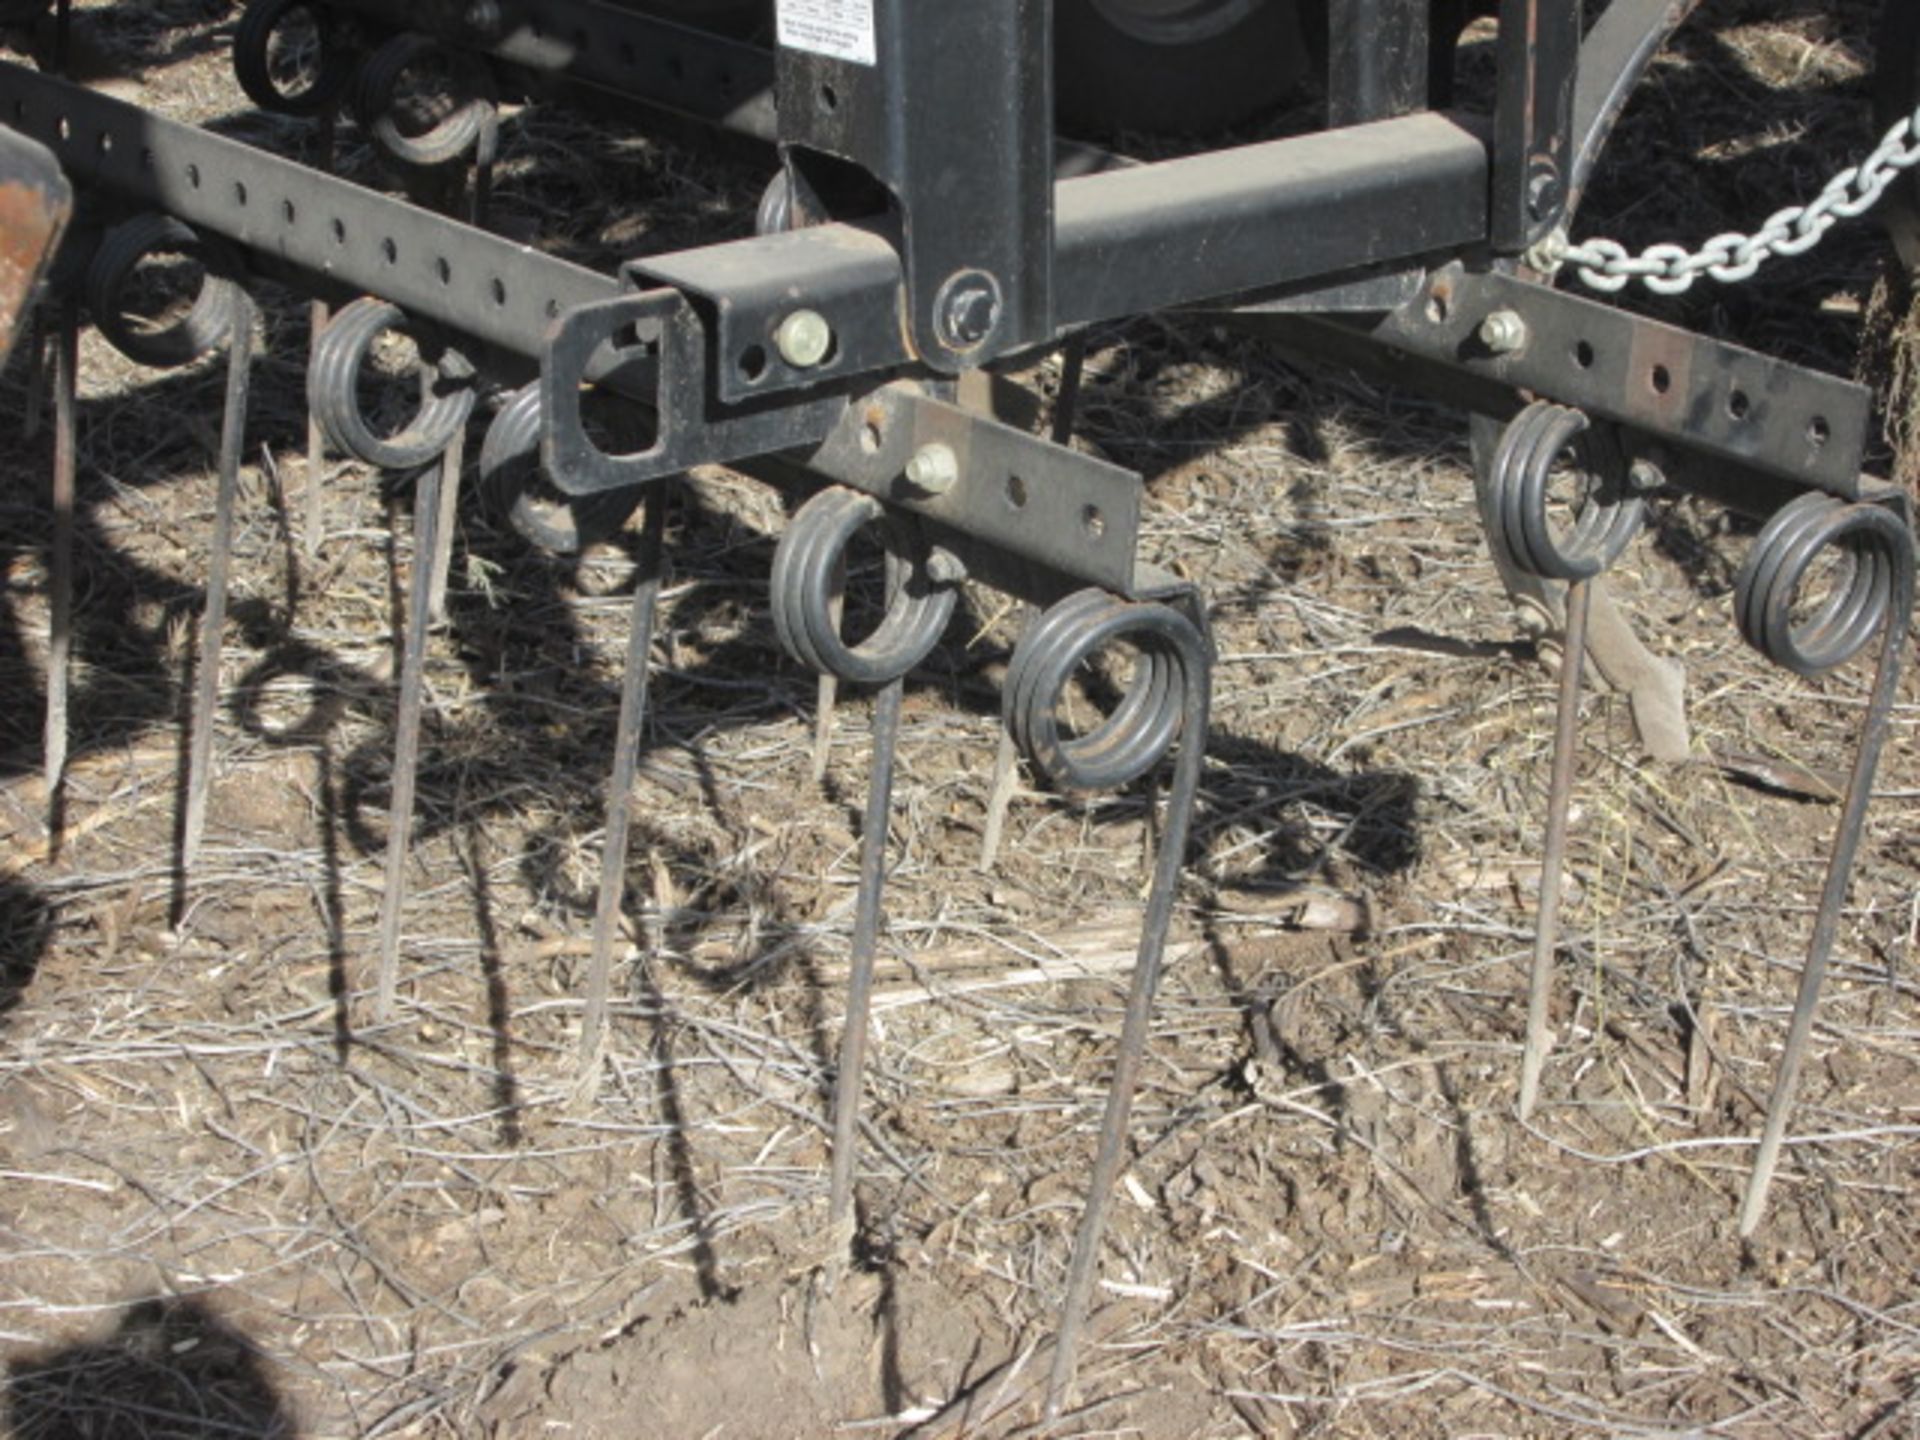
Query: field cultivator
926, 221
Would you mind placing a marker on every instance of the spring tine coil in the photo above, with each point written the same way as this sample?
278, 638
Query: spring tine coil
206, 697
209, 323
376, 102
1161, 630
626, 761
805, 566
509, 469
1877, 592
446, 388
253, 55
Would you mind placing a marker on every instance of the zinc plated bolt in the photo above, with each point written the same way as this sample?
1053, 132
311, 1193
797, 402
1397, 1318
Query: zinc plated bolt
934, 469
1644, 477
1503, 332
804, 339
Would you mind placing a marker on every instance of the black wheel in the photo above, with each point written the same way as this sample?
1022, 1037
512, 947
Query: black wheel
1175, 66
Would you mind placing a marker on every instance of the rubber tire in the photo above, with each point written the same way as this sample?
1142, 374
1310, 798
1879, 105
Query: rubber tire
1106, 79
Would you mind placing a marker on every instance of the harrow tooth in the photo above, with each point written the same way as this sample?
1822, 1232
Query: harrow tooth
1546, 937
1878, 593
1006, 780
318, 312
213, 620
406, 749
850, 1068
452, 462
66, 364
626, 760
1174, 668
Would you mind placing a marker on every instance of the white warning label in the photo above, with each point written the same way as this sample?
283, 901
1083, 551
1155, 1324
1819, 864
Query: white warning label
842, 29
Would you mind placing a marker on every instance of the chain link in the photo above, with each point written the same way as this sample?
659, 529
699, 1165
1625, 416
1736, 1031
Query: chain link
1607, 265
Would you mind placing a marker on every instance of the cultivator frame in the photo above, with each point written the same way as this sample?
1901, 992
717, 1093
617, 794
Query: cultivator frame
926, 223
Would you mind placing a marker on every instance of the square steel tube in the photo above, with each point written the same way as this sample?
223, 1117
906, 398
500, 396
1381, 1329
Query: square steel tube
1233, 223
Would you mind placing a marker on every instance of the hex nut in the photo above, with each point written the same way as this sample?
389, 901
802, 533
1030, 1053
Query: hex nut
1503, 332
804, 339
934, 469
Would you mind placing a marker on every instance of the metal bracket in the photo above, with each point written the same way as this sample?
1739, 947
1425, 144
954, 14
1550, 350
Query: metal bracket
953, 114
1011, 491
1533, 119
849, 277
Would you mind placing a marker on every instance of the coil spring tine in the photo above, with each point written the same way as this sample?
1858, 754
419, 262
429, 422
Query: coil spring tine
866, 940
1546, 935
1881, 585
318, 313
66, 364
213, 620
406, 749
486, 148
626, 760
1189, 658
1066, 405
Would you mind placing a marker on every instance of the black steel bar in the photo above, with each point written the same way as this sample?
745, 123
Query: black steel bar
1546, 935
66, 367
213, 619
1226, 224
866, 943
406, 748
1539, 57
626, 762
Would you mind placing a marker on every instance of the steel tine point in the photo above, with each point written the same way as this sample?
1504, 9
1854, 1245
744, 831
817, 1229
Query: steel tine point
866, 942
626, 761
1546, 934
1155, 926
827, 691
318, 314
66, 365
406, 748
1833, 895
452, 462
1006, 779
213, 619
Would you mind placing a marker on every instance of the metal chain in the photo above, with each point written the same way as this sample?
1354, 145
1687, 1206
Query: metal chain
1669, 269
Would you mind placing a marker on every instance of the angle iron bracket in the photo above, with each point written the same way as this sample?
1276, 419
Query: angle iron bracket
1698, 393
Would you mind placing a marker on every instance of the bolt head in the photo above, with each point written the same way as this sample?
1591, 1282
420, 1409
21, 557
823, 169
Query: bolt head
934, 469
1644, 477
945, 568
967, 310
804, 339
1503, 332
1543, 193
